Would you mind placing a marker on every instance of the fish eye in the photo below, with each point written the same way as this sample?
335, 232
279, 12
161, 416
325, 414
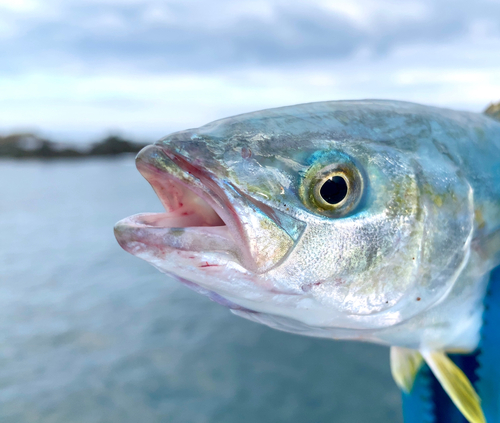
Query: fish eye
335, 190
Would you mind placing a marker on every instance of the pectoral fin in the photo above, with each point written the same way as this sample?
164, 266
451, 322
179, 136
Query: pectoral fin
456, 385
405, 364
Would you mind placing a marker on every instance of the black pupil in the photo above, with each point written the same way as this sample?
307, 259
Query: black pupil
334, 190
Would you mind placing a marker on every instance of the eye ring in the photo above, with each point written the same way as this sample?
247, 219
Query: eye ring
344, 197
340, 187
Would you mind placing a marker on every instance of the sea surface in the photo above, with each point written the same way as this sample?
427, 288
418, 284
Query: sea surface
89, 333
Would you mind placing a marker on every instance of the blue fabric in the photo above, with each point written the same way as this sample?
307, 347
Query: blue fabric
418, 406
428, 403
488, 385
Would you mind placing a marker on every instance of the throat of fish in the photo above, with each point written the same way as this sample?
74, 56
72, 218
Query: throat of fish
183, 207
188, 200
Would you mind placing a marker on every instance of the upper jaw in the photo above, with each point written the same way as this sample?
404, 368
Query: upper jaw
203, 214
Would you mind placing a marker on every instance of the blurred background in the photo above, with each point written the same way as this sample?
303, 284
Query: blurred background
91, 334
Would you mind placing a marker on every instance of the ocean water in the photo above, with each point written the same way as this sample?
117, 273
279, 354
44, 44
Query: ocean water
91, 334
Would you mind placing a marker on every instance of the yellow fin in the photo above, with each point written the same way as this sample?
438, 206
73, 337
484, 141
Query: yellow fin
456, 385
405, 364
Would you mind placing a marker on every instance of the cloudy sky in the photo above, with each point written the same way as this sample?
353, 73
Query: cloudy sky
78, 69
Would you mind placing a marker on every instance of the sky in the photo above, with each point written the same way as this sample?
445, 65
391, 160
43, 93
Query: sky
75, 70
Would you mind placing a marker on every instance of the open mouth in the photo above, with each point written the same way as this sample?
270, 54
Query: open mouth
197, 217
184, 196
184, 207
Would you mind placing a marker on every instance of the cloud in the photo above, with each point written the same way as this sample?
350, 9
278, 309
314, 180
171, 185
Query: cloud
208, 36
150, 67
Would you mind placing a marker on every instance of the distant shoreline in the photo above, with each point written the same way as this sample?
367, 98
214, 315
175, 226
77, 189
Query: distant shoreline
28, 146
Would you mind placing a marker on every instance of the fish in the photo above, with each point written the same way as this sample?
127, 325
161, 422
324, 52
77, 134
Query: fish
368, 220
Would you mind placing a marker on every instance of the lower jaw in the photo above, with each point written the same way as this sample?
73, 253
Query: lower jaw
136, 231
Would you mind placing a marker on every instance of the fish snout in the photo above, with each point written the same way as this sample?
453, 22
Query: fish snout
194, 196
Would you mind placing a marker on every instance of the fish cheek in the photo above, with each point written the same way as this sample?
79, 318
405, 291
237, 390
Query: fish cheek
384, 273
353, 266
375, 267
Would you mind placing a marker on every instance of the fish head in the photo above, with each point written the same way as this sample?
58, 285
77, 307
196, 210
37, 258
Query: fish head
297, 229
